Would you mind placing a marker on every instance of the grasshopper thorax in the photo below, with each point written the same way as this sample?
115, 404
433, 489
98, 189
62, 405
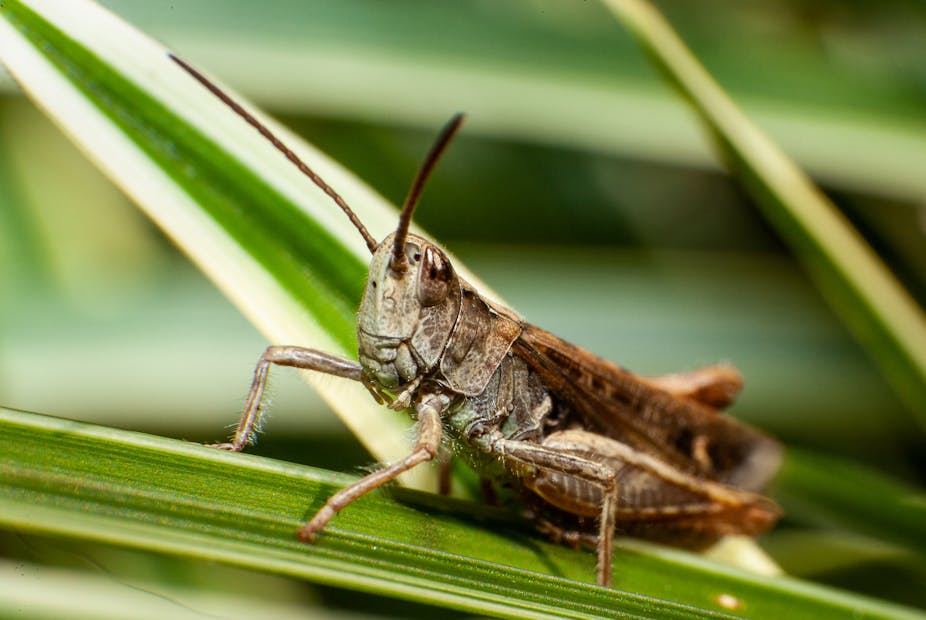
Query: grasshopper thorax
408, 311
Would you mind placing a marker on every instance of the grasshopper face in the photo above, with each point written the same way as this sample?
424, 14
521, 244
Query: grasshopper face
407, 314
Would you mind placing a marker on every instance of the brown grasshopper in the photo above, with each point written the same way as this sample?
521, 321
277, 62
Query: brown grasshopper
591, 448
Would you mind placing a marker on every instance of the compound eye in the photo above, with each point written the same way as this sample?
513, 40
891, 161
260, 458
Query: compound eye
413, 252
434, 277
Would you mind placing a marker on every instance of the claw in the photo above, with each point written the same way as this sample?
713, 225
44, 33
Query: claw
306, 534
316, 524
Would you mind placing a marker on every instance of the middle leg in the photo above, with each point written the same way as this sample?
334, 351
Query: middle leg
296, 357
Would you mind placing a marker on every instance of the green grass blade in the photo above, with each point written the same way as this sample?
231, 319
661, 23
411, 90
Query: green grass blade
79, 480
859, 286
833, 492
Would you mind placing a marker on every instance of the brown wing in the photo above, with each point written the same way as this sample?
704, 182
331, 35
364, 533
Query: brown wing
613, 401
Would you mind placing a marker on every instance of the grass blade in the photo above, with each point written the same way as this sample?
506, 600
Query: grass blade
858, 285
79, 480
827, 490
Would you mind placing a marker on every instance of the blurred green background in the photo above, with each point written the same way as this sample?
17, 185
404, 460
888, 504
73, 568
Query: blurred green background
624, 237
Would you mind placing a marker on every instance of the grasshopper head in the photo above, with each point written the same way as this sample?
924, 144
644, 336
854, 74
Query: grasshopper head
408, 310
413, 297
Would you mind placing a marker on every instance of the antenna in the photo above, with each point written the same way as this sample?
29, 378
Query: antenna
276, 142
398, 262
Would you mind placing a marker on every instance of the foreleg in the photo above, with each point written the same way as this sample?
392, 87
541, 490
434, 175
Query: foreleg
297, 357
426, 448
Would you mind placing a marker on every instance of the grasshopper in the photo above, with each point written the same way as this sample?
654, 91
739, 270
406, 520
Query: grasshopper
591, 448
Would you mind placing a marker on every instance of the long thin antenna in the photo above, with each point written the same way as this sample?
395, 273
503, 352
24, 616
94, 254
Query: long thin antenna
399, 261
276, 142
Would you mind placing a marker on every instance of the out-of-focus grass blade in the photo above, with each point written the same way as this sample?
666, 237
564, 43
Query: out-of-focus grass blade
549, 72
848, 495
37, 592
859, 286
271, 240
79, 480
